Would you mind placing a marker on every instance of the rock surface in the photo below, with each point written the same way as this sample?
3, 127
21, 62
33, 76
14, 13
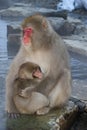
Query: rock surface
61, 119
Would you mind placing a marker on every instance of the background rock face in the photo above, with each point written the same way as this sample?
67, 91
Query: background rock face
4, 3
39, 3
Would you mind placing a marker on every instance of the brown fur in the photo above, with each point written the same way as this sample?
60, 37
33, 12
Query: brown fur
25, 86
46, 49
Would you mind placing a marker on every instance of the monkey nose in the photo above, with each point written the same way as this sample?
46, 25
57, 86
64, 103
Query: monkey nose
28, 31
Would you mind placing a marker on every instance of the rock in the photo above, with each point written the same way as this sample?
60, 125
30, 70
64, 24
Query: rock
13, 30
66, 29
73, 20
13, 36
14, 39
4, 4
40, 3
80, 29
24, 10
56, 22
58, 119
13, 44
78, 46
62, 14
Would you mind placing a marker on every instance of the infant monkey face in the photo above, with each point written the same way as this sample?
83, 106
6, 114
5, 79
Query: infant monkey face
37, 73
30, 70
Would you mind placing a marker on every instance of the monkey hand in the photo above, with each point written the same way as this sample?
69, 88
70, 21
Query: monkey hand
23, 93
26, 93
13, 115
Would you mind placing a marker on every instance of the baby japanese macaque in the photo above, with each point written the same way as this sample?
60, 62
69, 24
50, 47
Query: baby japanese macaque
25, 87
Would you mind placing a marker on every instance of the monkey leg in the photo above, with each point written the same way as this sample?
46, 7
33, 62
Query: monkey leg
32, 104
11, 109
10, 105
43, 111
61, 92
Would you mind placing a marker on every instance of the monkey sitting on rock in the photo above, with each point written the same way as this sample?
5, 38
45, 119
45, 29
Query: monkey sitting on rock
41, 45
25, 87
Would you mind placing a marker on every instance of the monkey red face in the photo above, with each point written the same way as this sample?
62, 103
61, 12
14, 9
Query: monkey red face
27, 34
37, 73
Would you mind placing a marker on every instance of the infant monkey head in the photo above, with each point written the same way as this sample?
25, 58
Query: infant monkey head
30, 70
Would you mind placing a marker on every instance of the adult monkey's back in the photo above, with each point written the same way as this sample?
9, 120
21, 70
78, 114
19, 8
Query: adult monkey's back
41, 45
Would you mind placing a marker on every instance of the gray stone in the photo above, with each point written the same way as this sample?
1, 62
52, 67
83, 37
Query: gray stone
77, 46
41, 3
14, 40
5, 4
13, 44
58, 119
24, 10
80, 29
13, 30
66, 29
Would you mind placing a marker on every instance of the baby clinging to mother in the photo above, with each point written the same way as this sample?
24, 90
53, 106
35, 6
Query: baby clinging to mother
42, 46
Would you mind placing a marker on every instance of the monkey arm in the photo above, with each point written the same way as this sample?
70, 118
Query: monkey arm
11, 76
46, 85
10, 106
62, 90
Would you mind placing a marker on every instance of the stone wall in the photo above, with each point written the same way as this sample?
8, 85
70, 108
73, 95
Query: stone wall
41, 3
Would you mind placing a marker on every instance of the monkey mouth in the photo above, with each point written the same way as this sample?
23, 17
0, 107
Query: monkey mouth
26, 40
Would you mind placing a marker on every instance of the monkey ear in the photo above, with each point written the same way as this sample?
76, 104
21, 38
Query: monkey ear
44, 24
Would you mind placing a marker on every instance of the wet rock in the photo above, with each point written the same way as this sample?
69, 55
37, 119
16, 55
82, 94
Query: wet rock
41, 3
80, 29
5, 4
13, 44
58, 119
62, 14
13, 30
66, 29
81, 122
78, 46
14, 40
22, 11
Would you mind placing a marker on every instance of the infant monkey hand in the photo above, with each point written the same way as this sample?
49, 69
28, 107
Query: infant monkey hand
26, 92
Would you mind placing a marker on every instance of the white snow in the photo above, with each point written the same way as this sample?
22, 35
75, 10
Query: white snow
71, 4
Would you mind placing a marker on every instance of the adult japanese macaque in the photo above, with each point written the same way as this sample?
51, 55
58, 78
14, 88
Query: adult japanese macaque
43, 46
25, 87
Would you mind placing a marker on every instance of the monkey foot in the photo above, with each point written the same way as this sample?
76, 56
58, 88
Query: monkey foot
13, 115
43, 111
